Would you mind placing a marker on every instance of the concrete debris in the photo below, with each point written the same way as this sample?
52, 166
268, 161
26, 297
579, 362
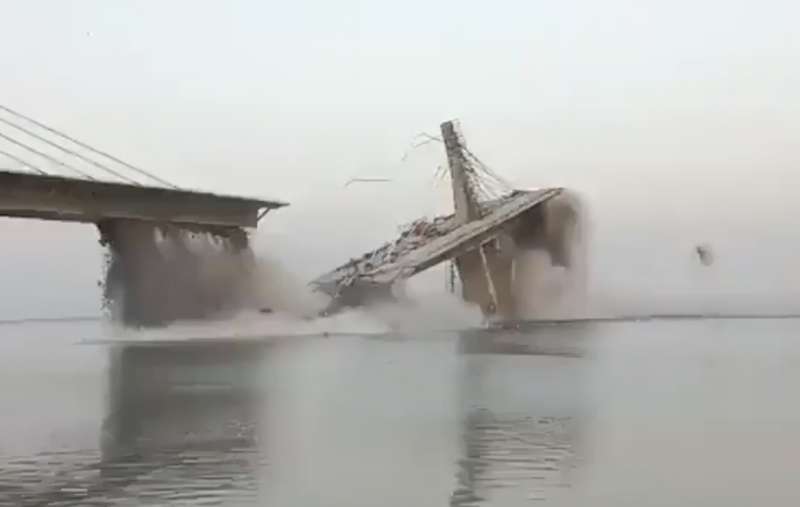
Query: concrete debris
705, 254
413, 236
425, 243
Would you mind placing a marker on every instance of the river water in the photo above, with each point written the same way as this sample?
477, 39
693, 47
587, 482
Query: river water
659, 413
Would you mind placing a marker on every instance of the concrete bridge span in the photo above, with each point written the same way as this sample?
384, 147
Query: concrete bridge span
171, 254
79, 200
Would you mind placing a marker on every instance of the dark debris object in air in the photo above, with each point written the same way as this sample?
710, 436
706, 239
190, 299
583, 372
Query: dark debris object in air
704, 254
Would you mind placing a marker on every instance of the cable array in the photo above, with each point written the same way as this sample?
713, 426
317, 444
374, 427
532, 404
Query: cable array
42, 149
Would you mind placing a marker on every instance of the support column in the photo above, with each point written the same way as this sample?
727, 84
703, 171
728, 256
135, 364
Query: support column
485, 273
465, 201
159, 273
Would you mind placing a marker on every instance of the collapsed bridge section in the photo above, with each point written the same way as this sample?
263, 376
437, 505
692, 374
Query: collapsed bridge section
482, 238
517, 221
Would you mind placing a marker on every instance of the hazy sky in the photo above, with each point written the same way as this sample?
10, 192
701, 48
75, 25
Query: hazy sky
677, 120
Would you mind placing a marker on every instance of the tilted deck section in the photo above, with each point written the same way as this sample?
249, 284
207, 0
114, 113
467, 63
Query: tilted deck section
427, 243
78, 200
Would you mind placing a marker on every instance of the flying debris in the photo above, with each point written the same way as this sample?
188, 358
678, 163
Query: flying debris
366, 180
704, 254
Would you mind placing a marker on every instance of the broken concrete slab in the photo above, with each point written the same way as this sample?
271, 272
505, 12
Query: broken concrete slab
427, 243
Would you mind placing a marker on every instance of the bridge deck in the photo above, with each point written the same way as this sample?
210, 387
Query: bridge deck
412, 253
76, 200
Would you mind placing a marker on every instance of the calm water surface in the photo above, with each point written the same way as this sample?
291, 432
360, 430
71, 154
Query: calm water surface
692, 412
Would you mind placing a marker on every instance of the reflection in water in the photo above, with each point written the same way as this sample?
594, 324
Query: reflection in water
658, 413
181, 396
180, 426
527, 456
480, 418
183, 417
567, 339
519, 444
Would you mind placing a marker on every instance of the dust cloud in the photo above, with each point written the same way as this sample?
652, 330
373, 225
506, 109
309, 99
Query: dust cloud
157, 274
550, 280
169, 282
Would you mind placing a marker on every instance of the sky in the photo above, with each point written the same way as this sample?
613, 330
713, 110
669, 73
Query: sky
675, 120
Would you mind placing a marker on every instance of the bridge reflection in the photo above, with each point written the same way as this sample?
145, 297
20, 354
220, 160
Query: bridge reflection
187, 413
182, 395
522, 410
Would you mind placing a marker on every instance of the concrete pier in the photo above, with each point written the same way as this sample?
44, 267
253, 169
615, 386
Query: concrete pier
486, 270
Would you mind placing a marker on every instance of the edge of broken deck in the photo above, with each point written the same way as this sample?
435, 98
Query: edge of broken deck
60, 198
458, 240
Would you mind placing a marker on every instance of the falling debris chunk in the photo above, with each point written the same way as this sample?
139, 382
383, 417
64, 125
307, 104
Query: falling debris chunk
705, 254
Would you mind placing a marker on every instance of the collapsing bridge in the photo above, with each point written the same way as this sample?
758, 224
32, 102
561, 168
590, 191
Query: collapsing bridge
483, 239
180, 254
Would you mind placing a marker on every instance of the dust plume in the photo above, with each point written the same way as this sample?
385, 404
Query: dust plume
550, 262
156, 274
204, 283
280, 291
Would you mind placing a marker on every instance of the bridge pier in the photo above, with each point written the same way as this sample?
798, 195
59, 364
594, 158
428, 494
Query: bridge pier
486, 273
159, 273
486, 280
